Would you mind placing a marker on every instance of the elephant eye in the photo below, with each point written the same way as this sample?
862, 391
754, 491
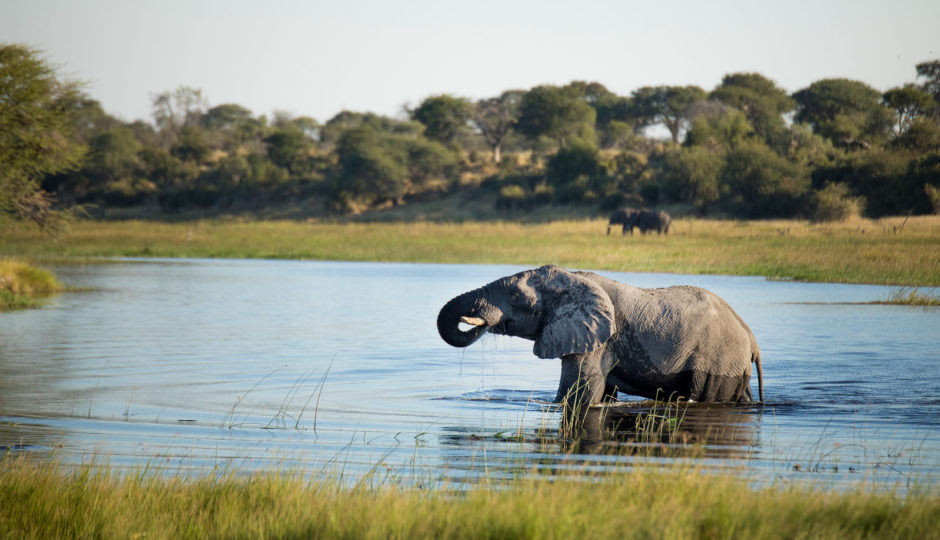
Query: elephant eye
517, 298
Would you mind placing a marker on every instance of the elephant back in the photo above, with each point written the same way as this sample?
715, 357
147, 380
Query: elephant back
686, 328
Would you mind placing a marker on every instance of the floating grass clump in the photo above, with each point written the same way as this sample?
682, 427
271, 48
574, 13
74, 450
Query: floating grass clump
45, 500
21, 284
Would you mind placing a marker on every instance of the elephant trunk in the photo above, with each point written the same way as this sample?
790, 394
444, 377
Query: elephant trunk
469, 308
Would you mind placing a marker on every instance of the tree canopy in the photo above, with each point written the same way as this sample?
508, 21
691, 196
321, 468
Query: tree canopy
37, 132
556, 113
444, 117
668, 105
742, 149
846, 111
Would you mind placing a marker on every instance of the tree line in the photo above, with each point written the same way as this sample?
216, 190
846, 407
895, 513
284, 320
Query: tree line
745, 149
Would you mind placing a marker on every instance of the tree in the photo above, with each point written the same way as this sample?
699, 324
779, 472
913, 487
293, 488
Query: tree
172, 111
289, 148
113, 154
344, 121
909, 102
613, 113
495, 117
226, 117
667, 105
444, 117
724, 128
191, 145
691, 174
846, 111
572, 161
371, 170
759, 98
112, 171
759, 183
37, 134
931, 71
557, 113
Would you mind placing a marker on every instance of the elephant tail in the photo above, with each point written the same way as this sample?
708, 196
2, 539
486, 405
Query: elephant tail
755, 358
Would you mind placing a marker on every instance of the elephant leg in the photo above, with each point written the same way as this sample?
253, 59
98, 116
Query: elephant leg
720, 388
582, 381
582, 384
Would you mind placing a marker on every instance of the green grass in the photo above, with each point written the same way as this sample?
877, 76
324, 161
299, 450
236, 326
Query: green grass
22, 285
863, 251
912, 296
45, 500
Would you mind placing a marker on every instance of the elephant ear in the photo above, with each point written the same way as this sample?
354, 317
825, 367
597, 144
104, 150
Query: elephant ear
579, 318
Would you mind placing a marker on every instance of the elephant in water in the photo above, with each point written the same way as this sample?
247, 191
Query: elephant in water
653, 220
676, 342
626, 217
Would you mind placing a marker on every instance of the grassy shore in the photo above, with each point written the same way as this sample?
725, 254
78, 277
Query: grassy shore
898, 251
47, 501
21, 284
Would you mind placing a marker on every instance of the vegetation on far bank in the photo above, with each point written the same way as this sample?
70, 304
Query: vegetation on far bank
898, 251
43, 500
746, 149
21, 284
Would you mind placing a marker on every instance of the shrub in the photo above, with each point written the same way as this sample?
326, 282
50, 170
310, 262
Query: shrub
836, 203
20, 283
511, 197
933, 196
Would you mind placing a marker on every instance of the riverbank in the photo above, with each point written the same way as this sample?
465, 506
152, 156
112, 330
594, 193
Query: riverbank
45, 500
891, 251
21, 285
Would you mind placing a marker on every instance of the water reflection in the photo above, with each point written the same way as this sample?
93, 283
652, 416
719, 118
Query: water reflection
326, 366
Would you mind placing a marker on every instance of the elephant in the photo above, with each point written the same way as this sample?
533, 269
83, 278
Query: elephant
626, 217
649, 220
679, 342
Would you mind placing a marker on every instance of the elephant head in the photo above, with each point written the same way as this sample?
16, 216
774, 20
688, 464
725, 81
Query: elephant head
562, 312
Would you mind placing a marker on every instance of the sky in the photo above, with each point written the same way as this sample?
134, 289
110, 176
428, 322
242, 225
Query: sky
319, 57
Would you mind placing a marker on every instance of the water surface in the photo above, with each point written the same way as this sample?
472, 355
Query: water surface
337, 368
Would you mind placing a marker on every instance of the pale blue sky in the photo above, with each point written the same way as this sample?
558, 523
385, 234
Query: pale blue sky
317, 58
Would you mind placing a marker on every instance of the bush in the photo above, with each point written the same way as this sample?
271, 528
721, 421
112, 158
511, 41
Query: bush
757, 183
836, 203
933, 196
20, 283
692, 174
572, 162
511, 197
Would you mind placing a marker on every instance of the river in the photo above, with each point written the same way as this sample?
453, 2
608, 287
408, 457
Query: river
336, 369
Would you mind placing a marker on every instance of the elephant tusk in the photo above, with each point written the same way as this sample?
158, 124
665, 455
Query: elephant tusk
473, 321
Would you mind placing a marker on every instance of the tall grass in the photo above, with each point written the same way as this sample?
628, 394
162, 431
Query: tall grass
897, 251
912, 296
21, 284
44, 500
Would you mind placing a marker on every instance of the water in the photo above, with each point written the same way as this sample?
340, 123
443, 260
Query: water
337, 369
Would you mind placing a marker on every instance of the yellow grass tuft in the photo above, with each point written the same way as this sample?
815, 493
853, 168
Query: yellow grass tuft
21, 284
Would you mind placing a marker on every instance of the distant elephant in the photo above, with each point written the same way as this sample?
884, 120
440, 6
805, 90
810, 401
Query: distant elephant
676, 342
626, 217
653, 220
